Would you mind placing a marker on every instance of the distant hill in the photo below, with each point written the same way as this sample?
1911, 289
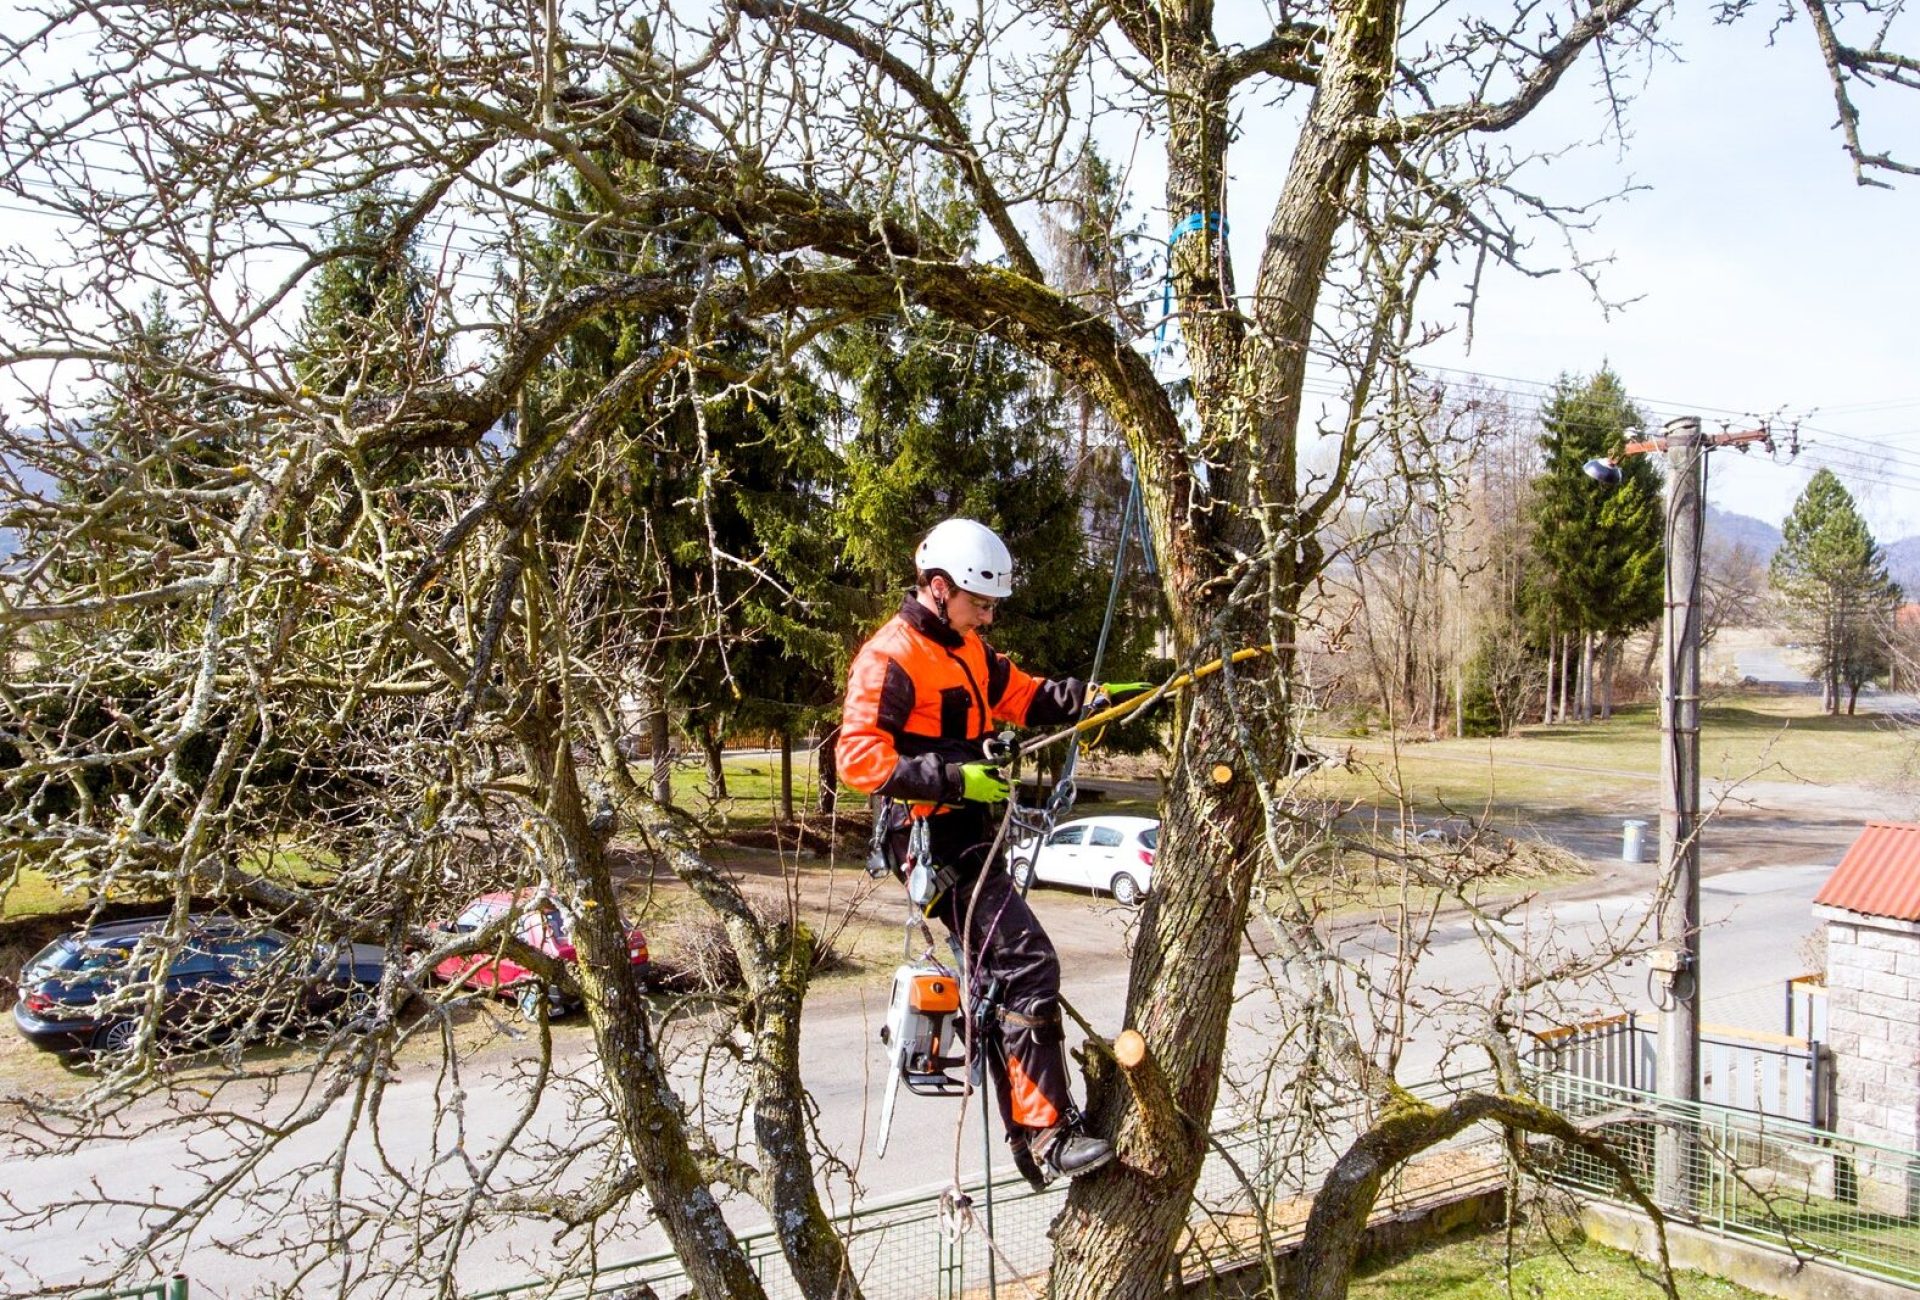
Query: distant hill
1728, 530
20, 480
1903, 564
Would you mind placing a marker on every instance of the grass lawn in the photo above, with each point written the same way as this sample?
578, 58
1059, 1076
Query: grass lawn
753, 788
1596, 766
31, 893
1849, 1230
1474, 1268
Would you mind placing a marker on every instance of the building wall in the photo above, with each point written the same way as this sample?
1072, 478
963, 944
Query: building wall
1873, 983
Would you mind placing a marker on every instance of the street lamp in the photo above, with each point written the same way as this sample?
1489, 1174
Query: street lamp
1604, 471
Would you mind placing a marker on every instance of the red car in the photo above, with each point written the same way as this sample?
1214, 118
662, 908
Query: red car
542, 924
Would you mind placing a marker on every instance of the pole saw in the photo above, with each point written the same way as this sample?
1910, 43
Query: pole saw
923, 1029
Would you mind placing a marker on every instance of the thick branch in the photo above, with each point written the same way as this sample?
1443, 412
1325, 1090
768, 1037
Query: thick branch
1338, 1220
1158, 1134
1538, 84
956, 142
1290, 54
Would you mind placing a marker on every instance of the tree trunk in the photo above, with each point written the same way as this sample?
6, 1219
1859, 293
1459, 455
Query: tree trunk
1586, 676
649, 1115
1560, 676
1853, 696
829, 769
1546, 711
775, 963
786, 777
1566, 677
712, 749
1609, 661
1563, 676
660, 750
1117, 1233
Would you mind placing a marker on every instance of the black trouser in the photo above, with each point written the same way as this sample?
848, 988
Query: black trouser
1006, 944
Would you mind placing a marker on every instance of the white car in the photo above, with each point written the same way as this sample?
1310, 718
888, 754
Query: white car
1111, 854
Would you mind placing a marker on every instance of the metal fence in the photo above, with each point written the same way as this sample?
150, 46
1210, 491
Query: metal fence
1787, 1185
1775, 1075
1252, 1198
1807, 1006
170, 1288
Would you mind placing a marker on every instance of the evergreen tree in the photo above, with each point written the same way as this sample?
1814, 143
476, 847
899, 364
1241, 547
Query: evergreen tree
368, 321
1832, 579
1601, 549
719, 566
947, 421
951, 422
160, 426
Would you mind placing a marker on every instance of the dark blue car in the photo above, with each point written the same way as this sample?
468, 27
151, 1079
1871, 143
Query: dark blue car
91, 988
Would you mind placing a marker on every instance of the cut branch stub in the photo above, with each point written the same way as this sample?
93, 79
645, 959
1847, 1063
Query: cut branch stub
1149, 1145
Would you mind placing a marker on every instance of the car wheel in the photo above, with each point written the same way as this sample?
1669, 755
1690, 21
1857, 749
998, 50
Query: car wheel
1023, 874
359, 1010
1126, 890
531, 994
115, 1036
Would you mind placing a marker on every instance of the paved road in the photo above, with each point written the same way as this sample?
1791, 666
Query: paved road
1756, 918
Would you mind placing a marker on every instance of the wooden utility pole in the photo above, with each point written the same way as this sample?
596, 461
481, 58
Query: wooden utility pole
1676, 959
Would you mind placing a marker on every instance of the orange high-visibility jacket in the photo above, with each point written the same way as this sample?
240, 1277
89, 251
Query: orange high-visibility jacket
921, 698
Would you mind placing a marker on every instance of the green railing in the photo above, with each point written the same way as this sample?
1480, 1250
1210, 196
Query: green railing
1252, 1199
1782, 1184
170, 1288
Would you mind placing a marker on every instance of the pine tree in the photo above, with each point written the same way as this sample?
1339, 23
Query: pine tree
368, 324
1601, 547
949, 422
1832, 578
720, 568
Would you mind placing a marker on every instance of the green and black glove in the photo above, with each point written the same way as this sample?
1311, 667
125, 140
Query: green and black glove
982, 783
1112, 693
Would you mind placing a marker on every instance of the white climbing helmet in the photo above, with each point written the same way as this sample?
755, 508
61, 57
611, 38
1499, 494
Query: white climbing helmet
970, 553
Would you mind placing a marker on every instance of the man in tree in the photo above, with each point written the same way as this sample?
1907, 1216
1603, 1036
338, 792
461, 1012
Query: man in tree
922, 696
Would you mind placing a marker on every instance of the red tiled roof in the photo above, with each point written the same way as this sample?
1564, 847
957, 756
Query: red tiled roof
1880, 876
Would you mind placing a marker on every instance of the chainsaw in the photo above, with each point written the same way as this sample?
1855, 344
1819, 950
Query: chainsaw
922, 1038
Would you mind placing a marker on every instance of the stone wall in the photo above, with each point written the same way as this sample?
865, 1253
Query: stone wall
1873, 1029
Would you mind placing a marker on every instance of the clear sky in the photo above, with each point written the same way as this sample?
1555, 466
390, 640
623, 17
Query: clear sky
1764, 281
1767, 281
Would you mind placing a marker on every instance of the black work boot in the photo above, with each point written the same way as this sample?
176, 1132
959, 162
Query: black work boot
1073, 1153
